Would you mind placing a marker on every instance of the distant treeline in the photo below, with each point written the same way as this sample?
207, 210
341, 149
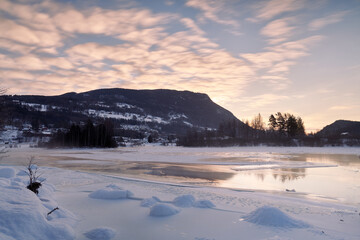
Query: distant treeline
284, 129
101, 135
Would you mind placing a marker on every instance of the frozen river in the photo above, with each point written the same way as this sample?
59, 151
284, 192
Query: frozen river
331, 174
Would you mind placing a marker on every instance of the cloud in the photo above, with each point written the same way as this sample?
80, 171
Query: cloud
267, 10
57, 47
189, 23
211, 10
263, 100
12, 31
322, 22
278, 30
274, 63
341, 107
108, 22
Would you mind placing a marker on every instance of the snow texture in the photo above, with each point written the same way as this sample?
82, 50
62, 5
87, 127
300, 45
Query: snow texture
273, 217
203, 204
149, 202
7, 173
184, 201
24, 214
102, 233
111, 191
163, 210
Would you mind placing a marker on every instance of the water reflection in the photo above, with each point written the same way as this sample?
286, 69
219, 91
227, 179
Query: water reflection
289, 174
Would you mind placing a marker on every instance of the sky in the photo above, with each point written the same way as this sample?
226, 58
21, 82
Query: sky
296, 56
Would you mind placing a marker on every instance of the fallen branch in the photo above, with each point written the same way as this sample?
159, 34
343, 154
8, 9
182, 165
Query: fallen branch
57, 208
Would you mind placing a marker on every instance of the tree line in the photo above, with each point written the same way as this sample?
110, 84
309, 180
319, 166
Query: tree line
90, 135
282, 129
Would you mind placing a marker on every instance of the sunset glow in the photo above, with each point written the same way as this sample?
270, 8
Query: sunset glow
250, 57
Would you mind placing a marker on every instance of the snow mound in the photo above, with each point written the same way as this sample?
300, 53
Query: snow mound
149, 202
23, 216
204, 204
163, 210
273, 217
184, 201
111, 191
102, 233
22, 173
7, 172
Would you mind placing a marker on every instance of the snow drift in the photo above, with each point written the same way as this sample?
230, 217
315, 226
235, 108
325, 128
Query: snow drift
273, 217
103, 233
24, 214
111, 191
163, 210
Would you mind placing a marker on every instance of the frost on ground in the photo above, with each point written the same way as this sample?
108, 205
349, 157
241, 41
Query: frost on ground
102, 233
23, 214
273, 217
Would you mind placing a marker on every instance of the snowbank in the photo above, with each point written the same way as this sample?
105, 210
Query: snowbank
149, 202
24, 214
273, 217
111, 191
163, 210
7, 173
203, 204
184, 201
102, 233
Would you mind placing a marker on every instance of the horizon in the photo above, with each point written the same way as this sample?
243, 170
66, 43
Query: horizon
249, 57
242, 120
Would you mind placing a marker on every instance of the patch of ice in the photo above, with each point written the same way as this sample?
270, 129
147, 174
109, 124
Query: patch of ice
111, 191
102, 233
149, 202
7, 172
204, 204
163, 210
184, 201
273, 217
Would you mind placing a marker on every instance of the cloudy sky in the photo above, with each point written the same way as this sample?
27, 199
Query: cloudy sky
298, 56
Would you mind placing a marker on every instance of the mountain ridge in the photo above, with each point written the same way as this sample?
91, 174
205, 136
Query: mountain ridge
163, 110
341, 128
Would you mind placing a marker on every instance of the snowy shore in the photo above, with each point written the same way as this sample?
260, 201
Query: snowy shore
112, 206
94, 206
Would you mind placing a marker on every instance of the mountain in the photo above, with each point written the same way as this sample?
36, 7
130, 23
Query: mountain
164, 111
341, 128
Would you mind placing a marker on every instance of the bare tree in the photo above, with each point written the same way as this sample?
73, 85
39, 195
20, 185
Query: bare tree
258, 123
32, 172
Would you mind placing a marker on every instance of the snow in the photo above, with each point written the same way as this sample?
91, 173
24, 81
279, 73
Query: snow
174, 116
102, 233
184, 201
163, 210
273, 217
203, 204
24, 214
212, 212
149, 202
125, 105
7, 173
111, 191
